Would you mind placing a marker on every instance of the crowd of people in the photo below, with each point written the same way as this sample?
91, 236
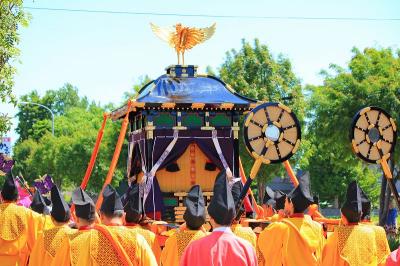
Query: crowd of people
63, 234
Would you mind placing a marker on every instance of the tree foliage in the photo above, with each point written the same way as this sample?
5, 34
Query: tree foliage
372, 79
66, 155
12, 16
254, 72
35, 121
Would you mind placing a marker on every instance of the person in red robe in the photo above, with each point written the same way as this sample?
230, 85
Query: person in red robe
221, 247
394, 258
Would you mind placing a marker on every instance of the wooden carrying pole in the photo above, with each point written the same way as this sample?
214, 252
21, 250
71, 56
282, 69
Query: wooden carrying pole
389, 177
96, 148
115, 158
259, 210
92, 161
291, 173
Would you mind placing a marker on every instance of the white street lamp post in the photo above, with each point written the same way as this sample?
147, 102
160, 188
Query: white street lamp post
48, 109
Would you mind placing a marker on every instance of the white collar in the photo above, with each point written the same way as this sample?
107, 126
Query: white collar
224, 229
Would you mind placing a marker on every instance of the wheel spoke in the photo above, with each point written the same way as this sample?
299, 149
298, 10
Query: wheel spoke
366, 117
386, 127
255, 138
280, 116
256, 123
361, 142
277, 150
267, 115
288, 141
289, 127
369, 151
363, 130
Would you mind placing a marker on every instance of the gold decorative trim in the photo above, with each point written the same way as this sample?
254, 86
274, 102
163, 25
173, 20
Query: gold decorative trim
228, 106
366, 109
198, 105
168, 105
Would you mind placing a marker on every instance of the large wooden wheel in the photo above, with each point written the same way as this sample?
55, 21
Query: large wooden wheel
373, 134
373, 138
272, 133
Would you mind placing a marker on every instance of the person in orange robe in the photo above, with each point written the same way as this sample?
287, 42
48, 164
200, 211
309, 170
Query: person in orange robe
49, 242
221, 247
39, 206
95, 244
351, 243
296, 240
195, 217
19, 227
382, 245
133, 215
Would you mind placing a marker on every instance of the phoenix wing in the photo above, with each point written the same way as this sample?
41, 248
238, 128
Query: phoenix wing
166, 34
196, 36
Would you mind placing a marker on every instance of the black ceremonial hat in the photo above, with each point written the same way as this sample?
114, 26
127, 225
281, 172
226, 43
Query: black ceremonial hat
269, 197
60, 210
111, 201
38, 203
280, 199
133, 206
195, 213
236, 190
9, 190
84, 206
301, 196
222, 206
352, 207
365, 204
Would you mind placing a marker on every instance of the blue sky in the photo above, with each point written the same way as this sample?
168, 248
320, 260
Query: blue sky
105, 54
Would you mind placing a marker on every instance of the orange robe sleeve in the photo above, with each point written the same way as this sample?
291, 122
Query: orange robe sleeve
270, 243
382, 245
330, 254
35, 227
39, 256
144, 254
63, 255
169, 255
155, 247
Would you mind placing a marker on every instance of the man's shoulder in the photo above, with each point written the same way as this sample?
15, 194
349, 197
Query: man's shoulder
80, 236
356, 230
12, 208
276, 226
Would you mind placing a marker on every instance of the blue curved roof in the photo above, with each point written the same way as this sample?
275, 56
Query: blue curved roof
198, 89
183, 87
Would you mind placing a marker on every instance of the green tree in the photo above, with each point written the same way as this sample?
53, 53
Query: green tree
254, 72
12, 16
35, 121
372, 78
67, 155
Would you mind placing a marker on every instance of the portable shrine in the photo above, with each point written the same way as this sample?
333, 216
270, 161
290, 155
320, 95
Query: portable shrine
183, 128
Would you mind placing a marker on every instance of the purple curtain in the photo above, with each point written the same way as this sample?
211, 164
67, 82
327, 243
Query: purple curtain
158, 199
201, 138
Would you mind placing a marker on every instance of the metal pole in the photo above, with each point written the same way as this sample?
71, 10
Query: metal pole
47, 108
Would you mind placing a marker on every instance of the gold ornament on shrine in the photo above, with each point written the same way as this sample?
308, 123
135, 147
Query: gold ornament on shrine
183, 38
